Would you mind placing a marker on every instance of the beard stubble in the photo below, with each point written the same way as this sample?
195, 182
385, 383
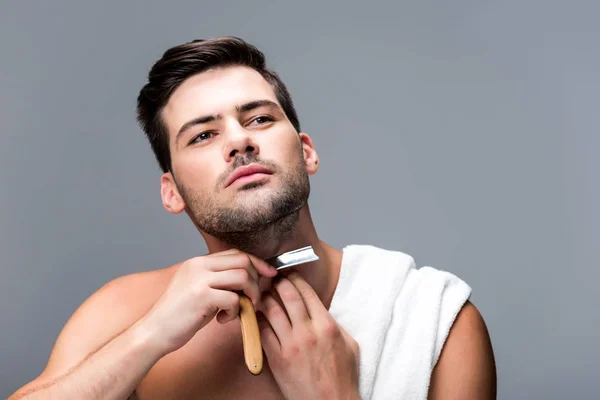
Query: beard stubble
251, 226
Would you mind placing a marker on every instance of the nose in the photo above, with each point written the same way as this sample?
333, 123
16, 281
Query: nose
239, 141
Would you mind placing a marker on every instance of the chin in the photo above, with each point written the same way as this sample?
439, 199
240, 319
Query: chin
251, 193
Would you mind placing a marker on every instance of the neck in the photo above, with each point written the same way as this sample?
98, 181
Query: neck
322, 274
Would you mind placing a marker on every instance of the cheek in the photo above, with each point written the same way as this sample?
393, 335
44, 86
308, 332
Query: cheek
285, 151
195, 171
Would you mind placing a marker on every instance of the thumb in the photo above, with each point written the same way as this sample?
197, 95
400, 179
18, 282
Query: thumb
225, 316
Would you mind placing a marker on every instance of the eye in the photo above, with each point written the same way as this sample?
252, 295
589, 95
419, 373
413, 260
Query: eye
202, 137
262, 119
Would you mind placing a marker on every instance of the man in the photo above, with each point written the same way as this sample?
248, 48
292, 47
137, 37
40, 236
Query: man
226, 136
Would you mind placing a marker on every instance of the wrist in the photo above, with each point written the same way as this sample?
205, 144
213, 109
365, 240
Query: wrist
145, 337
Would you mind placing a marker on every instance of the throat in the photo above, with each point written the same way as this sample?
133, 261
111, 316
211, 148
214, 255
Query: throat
266, 241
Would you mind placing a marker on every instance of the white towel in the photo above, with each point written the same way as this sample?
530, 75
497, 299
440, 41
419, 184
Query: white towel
399, 315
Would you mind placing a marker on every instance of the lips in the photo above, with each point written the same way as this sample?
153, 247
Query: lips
245, 171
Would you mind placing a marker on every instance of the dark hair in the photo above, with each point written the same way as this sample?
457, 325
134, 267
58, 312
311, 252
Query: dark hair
181, 62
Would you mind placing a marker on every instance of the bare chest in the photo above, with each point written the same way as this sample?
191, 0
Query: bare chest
210, 366
225, 388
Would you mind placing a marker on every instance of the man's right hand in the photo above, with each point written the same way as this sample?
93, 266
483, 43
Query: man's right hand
201, 288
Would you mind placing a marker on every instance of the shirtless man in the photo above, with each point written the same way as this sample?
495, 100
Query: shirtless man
225, 133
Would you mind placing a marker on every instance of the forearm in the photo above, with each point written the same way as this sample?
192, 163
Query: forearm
112, 372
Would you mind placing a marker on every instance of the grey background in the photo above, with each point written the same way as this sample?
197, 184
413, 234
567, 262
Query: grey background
464, 133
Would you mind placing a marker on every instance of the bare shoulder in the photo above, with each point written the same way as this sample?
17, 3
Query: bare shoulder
102, 316
466, 368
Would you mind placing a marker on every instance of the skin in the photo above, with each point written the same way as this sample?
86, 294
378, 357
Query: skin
173, 333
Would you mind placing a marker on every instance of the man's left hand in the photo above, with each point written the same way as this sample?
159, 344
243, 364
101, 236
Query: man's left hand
310, 355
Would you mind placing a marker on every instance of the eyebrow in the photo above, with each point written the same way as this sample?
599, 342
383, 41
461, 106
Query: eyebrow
215, 117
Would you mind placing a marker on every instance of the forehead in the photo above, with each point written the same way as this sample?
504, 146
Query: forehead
216, 91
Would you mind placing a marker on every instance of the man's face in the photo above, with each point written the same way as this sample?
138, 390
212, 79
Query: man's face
222, 122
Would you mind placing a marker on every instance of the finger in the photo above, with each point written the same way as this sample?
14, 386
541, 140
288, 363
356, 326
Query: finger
228, 251
292, 302
314, 305
225, 252
227, 301
223, 317
270, 343
263, 267
276, 316
236, 279
242, 260
233, 261
257, 262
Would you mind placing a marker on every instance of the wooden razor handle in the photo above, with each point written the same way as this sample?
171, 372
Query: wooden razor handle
253, 353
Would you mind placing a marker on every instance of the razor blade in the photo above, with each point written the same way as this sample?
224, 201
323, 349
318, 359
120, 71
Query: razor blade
294, 257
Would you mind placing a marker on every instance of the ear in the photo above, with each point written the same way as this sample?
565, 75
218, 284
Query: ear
311, 158
171, 198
